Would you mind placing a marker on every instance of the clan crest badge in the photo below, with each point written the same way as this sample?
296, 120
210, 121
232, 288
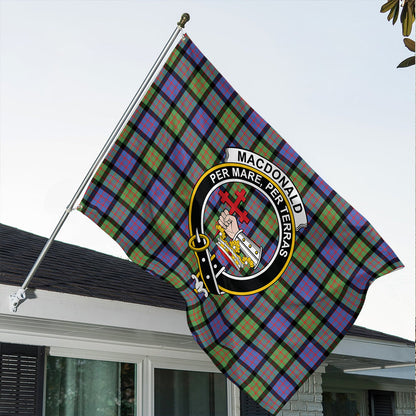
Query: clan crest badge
243, 217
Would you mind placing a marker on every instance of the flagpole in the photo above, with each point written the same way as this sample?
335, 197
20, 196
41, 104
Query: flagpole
16, 298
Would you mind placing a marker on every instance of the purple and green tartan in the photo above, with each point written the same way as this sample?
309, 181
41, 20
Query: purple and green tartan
267, 343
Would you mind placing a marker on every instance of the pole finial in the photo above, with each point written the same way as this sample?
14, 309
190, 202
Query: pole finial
184, 20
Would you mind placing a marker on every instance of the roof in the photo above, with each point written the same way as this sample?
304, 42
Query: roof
67, 268
361, 332
79, 271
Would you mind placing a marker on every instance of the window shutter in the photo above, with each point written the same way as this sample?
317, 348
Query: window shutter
21, 379
381, 403
248, 407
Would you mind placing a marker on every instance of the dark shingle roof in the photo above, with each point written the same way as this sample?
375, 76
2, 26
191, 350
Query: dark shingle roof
80, 271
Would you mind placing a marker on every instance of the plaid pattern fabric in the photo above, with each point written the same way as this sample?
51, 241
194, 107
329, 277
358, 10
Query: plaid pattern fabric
269, 342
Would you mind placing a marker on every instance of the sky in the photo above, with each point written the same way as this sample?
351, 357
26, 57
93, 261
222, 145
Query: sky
322, 73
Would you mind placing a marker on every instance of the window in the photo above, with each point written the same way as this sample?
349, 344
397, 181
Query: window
189, 393
381, 403
341, 404
79, 387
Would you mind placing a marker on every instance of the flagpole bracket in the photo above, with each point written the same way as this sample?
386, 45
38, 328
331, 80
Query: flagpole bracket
15, 299
184, 20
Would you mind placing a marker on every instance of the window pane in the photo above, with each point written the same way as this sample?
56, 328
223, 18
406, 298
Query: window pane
190, 393
341, 404
77, 387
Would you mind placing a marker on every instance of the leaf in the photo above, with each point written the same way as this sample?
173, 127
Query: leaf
407, 62
387, 6
394, 13
403, 14
407, 26
407, 17
409, 43
403, 20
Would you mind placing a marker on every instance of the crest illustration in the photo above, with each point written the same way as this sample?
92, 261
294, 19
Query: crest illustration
243, 217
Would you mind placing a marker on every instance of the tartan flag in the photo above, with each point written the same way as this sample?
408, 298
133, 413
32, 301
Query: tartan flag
273, 264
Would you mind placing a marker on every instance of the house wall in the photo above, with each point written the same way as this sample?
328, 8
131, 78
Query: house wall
153, 337
405, 403
307, 401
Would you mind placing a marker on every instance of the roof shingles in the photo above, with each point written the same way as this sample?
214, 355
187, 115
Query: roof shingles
79, 271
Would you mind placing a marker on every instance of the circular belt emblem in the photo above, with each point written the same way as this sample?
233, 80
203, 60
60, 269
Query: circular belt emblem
243, 218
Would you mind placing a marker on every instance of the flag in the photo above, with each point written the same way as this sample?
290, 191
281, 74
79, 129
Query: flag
273, 264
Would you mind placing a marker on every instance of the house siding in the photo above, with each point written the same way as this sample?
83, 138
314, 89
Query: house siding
307, 401
405, 403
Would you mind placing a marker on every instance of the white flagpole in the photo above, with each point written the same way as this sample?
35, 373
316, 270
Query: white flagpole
16, 298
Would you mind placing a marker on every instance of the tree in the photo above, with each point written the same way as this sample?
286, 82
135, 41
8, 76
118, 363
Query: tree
407, 18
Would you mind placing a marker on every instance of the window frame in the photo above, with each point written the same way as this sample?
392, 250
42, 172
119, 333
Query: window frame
145, 366
151, 363
97, 355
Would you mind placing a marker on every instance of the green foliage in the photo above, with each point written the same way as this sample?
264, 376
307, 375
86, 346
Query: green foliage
407, 18
394, 7
407, 62
409, 43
